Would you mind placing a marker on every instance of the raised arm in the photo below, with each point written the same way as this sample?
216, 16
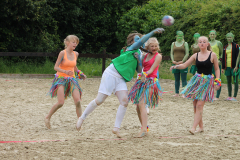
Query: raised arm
139, 43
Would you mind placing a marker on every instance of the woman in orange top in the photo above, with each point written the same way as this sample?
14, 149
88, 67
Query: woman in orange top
65, 83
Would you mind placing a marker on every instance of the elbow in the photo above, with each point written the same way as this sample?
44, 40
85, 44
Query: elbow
55, 68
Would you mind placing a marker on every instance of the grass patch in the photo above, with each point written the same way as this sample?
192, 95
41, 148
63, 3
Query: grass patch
90, 66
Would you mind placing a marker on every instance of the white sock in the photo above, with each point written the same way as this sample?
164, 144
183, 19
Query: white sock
91, 106
120, 114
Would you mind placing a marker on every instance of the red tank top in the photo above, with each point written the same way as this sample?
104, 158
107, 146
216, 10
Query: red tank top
147, 65
66, 64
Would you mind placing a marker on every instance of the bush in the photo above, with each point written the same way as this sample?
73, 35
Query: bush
190, 16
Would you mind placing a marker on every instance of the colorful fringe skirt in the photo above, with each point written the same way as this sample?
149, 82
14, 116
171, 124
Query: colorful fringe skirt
150, 90
200, 87
69, 84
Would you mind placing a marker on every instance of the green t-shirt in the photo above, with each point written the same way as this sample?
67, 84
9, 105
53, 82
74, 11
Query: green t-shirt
126, 64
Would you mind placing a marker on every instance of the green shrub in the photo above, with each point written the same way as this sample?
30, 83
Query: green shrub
190, 16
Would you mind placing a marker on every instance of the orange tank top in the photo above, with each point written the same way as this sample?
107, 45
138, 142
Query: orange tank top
66, 64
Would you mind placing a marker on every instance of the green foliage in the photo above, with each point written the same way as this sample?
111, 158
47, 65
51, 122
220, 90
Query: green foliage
27, 25
190, 16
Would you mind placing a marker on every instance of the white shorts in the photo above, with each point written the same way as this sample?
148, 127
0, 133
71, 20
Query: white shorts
111, 81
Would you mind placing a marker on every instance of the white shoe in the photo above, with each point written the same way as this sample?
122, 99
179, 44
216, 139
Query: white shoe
79, 123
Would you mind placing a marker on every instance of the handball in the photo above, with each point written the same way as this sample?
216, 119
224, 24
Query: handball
167, 20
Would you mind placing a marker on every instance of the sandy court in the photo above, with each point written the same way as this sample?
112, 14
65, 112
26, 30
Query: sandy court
24, 104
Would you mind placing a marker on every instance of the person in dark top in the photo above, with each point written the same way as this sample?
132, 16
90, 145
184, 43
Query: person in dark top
201, 86
230, 65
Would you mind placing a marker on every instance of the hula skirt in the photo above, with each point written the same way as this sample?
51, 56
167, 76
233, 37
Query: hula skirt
69, 84
200, 87
150, 90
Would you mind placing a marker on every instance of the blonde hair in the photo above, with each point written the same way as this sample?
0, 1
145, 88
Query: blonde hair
209, 48
70, 38
152, 40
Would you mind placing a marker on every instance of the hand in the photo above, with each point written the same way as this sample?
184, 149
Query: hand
158, 30
172, 67
180, 62
235, 69
222, 70
83, 77
143, 78
68, 72
174, 62
216, 87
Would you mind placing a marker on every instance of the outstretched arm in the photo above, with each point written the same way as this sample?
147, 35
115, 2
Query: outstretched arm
139, 43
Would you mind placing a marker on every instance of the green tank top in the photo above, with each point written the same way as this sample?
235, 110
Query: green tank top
126, 64
215, 49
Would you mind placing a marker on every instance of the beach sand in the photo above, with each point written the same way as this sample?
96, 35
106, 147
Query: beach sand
24, 105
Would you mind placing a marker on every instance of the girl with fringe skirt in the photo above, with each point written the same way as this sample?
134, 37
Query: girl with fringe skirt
65, 83
147, 90
201, 86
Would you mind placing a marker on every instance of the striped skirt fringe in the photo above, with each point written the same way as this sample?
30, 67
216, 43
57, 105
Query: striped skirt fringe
200, 87
150, 90
69, 84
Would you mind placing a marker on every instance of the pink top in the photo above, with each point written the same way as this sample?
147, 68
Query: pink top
147, 65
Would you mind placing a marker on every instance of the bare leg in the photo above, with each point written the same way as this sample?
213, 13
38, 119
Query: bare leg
198, 117
139, 114
59, 104
76, 98
144, 118
123, 99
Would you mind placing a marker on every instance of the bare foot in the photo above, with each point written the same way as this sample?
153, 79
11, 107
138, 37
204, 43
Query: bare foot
47, 123
141, 134
79, 123
183, 96
176, 95
192, 131
199, 131
116, 131
215, 99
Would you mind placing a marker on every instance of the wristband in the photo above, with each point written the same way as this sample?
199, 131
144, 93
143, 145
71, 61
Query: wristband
80, 74
218, 82
145, 73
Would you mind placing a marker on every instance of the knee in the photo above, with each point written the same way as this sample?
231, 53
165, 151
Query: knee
199, 107
78, 104
124, 102
99, 101
60, 104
